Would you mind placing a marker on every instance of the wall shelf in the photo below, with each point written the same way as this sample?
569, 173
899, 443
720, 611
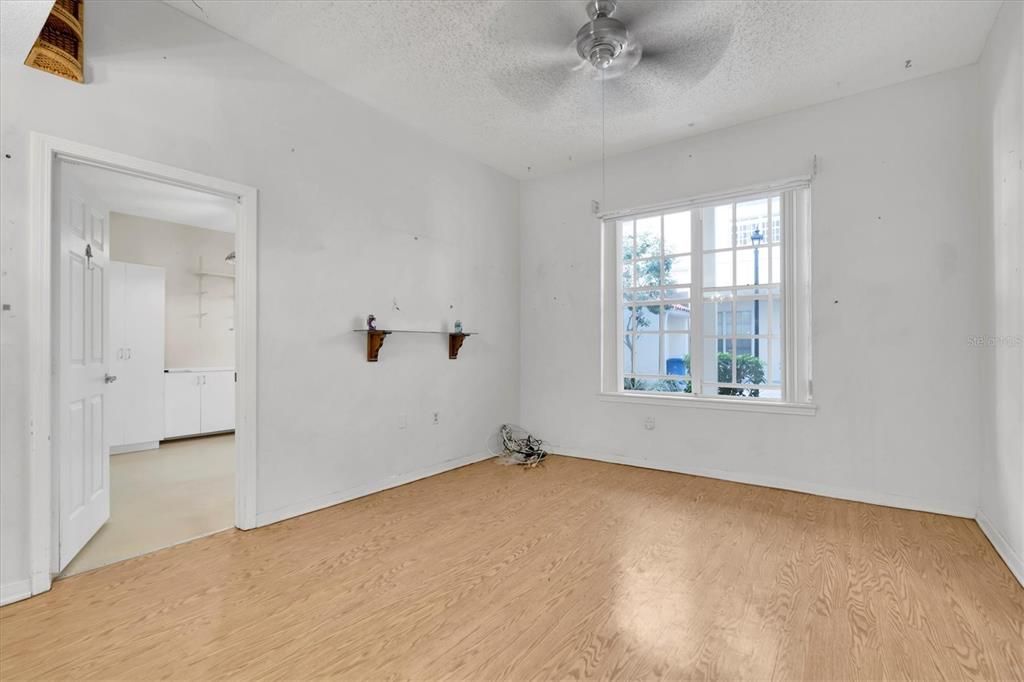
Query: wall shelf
201, 273
375, 339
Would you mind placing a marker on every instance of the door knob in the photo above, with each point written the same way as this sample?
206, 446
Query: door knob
109, 378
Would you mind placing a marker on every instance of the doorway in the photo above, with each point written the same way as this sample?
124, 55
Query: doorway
161, 279
112, 405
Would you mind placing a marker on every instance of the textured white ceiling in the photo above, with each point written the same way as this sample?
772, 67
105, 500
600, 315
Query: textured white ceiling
495, 79
123, 193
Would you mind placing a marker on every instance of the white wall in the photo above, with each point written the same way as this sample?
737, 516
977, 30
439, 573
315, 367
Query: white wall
177, 249
1002, 138
356, 212
900, 263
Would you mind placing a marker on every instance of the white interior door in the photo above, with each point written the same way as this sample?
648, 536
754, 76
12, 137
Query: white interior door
218, 401
83, 452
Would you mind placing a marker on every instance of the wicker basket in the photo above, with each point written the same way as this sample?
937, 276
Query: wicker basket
59, 49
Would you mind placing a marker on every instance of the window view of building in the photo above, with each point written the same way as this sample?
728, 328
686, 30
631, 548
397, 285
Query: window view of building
710, 326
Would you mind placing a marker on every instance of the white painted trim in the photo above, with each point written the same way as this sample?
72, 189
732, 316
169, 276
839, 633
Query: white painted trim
731, 404
247, 358
40, 469
16, 591
853, 495
750, 191
795, 222
134, 447
1013, 560
45, 150
316, 503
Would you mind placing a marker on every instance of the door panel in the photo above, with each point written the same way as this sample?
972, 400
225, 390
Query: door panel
74, 209
97, 302
98, 229
76, 455
76, 309
82, 448
96, 475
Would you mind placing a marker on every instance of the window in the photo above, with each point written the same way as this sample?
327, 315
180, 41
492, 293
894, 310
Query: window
712, 299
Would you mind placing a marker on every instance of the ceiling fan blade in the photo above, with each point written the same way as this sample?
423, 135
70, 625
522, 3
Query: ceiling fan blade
688, 59
533, 50
543, 29
532, 87
647, 18
624, 96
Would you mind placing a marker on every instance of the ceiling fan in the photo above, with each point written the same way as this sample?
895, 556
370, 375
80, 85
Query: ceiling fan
605, 43
668, 44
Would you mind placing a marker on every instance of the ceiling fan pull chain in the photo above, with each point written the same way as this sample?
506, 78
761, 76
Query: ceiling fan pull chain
604, 163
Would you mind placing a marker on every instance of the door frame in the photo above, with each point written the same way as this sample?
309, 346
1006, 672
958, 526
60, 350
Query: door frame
45, 152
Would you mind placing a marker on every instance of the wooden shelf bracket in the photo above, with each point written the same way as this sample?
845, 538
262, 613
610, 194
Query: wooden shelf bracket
455, 340
374, 340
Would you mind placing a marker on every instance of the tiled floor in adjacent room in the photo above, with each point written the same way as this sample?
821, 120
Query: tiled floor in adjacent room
159, 498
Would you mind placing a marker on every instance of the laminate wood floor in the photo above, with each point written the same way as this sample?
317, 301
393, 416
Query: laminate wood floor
574, 569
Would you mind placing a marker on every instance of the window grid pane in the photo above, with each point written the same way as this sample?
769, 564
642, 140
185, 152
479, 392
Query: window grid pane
738, 295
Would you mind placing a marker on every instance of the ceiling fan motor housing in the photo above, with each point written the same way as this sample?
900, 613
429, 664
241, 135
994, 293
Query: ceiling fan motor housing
603, 38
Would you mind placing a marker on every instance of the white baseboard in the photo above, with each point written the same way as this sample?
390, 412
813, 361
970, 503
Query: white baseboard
311, 505
134, 447
1012, 559
15, 591
41, 582
870, 497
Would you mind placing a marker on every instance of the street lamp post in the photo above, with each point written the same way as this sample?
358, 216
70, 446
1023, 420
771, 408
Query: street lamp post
756, 237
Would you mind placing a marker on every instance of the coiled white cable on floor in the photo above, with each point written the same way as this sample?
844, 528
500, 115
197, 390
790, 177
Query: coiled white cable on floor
517, 446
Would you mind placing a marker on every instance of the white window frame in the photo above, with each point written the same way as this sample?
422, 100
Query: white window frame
795, 207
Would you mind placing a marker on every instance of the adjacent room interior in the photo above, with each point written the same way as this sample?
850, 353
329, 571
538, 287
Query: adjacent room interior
166, 326
493, 339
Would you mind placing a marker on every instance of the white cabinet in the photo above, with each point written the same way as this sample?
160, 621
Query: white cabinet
218, 402
136, 351
181, 394
199, 401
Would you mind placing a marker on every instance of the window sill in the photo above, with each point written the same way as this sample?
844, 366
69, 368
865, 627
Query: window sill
732, 405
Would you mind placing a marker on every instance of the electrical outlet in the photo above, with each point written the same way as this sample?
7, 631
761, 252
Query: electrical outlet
403, 421
437, 418
649, 423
